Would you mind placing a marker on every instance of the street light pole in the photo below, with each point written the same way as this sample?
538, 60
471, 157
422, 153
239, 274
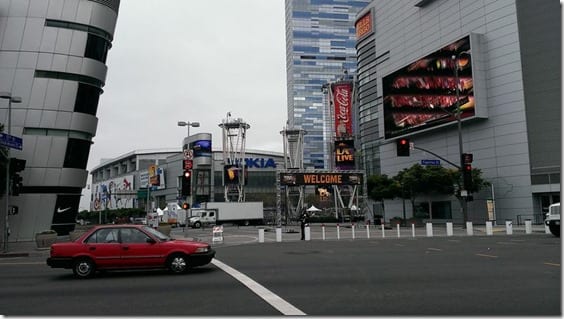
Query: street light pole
11, 99
188, 124
455, 58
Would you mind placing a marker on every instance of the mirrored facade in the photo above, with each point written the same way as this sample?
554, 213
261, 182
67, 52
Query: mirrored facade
320, 48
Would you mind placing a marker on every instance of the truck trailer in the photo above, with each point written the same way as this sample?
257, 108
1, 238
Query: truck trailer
217, 213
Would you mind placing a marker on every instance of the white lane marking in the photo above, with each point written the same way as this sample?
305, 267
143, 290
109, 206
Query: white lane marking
274, 300
434, 249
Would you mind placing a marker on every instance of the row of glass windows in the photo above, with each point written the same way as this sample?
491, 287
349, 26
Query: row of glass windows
98, 42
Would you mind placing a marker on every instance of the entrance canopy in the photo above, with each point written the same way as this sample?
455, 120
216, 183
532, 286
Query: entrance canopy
313, 209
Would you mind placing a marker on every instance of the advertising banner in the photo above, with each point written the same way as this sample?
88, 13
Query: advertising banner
295, 179
427, 92
342, 99
344, 155
113, 194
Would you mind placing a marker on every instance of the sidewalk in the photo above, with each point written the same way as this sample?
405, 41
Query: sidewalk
291, 233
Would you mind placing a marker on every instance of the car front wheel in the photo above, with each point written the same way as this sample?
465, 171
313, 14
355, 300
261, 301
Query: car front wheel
178, 263
84, 268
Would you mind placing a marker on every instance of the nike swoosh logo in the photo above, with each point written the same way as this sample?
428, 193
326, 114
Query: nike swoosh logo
62, 210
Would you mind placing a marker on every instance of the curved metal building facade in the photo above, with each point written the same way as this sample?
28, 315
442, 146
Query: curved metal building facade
53, 55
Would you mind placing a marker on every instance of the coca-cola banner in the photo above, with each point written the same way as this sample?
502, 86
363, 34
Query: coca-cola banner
342, 99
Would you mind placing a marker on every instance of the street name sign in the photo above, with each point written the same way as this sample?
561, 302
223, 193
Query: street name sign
11, 141
431, 162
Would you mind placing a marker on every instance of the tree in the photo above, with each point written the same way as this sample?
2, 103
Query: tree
478, 183
381, 187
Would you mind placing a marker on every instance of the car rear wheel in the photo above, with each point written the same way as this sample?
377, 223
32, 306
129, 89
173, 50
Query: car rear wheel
84, 268
178, 263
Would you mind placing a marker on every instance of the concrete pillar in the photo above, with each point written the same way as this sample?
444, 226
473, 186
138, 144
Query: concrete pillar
449, 228
261, 235
429, 229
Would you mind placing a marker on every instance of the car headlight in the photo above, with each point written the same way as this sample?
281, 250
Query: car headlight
202, 249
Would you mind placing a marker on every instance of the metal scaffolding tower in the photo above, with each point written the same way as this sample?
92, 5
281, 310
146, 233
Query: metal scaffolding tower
293, 159
234, 177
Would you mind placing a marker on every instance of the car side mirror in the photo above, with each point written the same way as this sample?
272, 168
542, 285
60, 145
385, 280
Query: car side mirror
151, 240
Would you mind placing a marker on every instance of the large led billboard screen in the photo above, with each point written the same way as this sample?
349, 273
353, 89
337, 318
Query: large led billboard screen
424, 95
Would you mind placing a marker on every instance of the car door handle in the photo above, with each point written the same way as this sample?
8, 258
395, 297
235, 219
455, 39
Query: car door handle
125, 247
92, 248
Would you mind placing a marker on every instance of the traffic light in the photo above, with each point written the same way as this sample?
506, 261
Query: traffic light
185, 206
402, 147
186, 183
16, 185
16, 182
467, 176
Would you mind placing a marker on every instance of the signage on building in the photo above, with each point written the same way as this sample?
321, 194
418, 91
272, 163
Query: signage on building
114, 193
258, 162
294, 179
342, 99
344, 154
363, 25
428, 92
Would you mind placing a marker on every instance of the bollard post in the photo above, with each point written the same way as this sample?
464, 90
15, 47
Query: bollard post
323, 231
338, 232
528, 226
412, 230
449, 228
546, 229
508, 226
307, 232
368, 230
278, 234
469, 229
429, 230
383, 233
352, 228
489, 228
261, 235
398, 228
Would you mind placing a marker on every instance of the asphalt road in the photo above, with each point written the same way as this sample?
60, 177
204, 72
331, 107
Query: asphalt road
486, 275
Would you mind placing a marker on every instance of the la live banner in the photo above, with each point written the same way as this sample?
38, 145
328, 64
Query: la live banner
293, 179
342, 99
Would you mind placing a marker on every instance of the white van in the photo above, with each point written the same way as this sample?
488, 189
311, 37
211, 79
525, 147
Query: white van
553, 219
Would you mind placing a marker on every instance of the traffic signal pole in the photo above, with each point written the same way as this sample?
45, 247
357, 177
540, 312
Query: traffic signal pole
463, 202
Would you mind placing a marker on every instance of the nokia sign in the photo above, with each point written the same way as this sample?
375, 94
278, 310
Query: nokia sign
258, 162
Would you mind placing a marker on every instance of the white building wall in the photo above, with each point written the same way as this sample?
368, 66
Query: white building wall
499, 143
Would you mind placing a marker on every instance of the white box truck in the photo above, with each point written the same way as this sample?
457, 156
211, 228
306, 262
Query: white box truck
217, 213
175, 215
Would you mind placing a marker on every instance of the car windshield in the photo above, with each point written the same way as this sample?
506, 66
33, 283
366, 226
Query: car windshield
156, 233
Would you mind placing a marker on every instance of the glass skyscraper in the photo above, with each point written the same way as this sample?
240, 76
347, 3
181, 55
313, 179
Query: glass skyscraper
320, 48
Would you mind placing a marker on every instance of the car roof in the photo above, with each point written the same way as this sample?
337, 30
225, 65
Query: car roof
119, 226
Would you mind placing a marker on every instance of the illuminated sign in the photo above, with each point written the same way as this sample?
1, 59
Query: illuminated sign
424, 94
293, 179
363, 25
342, 99
344, 154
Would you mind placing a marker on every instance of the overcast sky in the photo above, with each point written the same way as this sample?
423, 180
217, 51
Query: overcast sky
192, 60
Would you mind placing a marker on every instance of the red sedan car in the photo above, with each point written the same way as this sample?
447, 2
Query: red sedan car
111, 247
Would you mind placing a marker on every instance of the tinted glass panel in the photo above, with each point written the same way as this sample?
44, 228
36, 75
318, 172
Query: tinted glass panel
96, 48
87, 97
77, 153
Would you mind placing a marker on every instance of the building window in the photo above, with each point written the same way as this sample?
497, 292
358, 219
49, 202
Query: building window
96, 48
87, 97
439, 210
77, 152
